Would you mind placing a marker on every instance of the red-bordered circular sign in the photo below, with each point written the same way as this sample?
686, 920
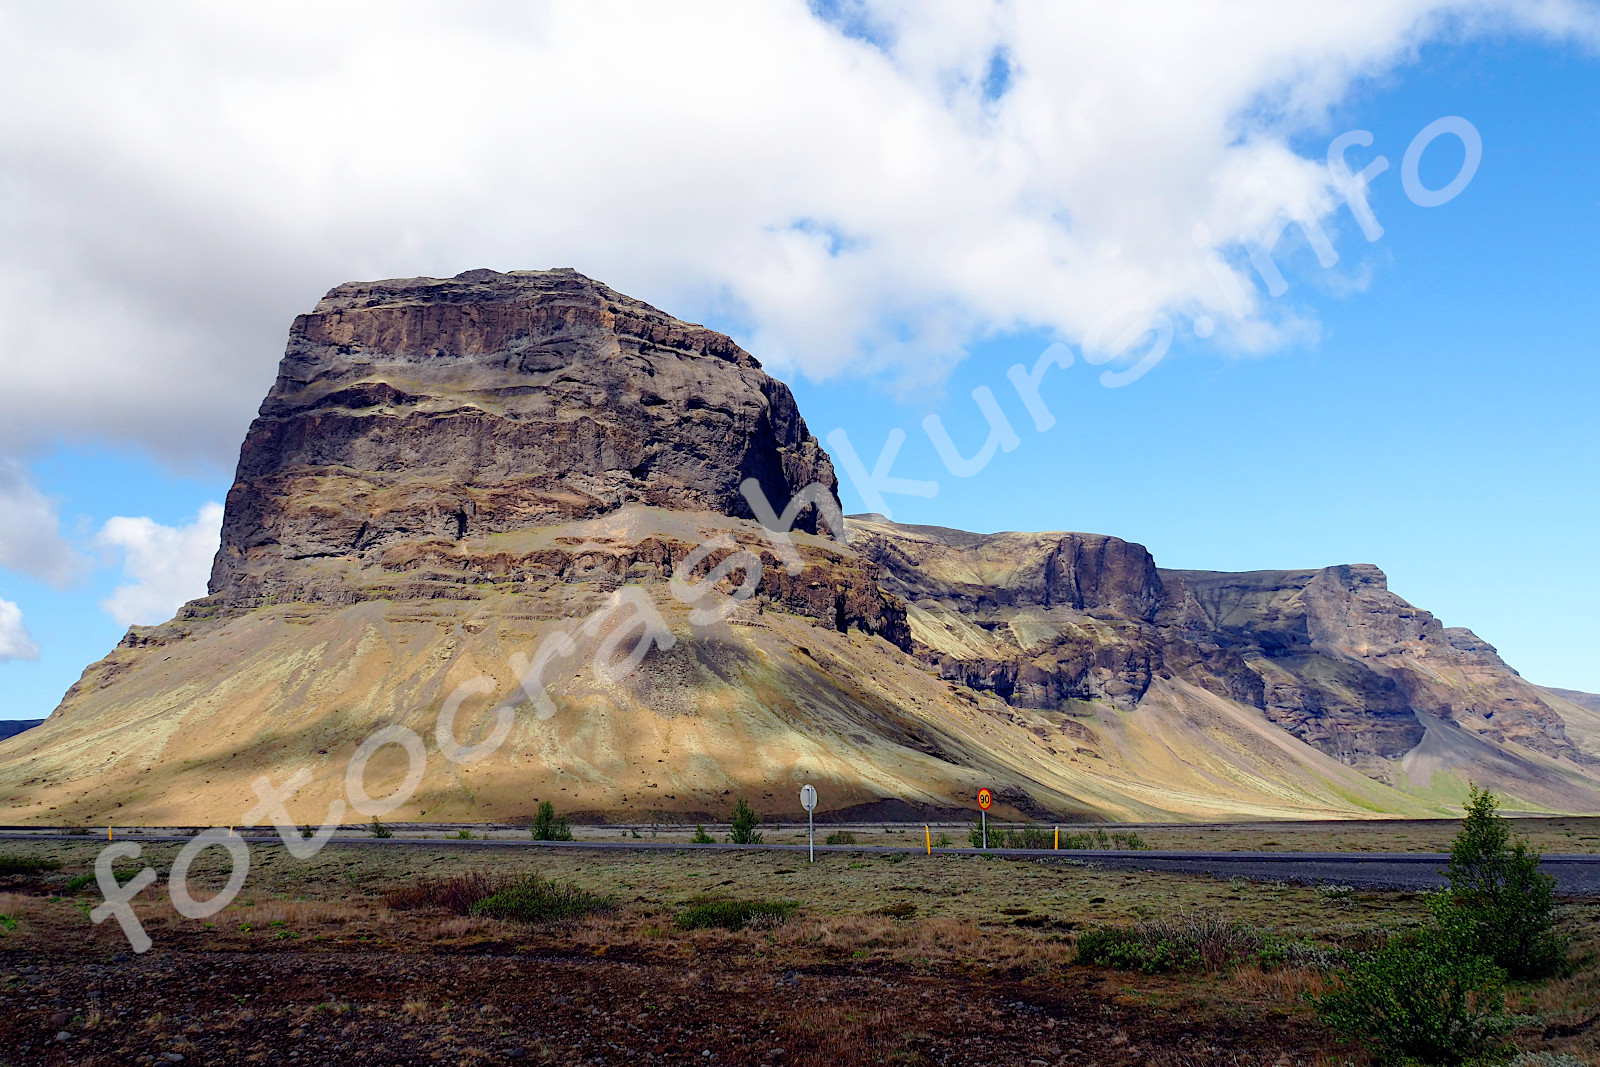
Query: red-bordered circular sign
985, 798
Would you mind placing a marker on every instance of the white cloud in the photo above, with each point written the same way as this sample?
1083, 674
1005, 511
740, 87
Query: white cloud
169, 565
180, 179
15, 640
30, 531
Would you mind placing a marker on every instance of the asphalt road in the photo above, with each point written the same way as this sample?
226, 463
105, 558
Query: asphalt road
1576, 875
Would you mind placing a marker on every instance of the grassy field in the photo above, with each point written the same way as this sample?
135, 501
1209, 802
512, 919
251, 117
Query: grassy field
900, 959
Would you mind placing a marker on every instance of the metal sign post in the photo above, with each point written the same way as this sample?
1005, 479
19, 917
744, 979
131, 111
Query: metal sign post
985, 798
808, 800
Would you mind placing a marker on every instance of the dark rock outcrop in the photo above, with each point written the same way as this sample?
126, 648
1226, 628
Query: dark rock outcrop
492, 402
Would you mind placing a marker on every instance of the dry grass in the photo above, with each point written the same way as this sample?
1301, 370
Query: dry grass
455, 894
974, 918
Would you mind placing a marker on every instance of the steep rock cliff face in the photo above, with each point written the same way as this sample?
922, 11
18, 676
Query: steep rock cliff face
1049, 621
431, 408
1038, 619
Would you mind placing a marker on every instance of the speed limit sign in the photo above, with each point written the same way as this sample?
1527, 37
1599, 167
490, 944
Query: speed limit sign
985, 799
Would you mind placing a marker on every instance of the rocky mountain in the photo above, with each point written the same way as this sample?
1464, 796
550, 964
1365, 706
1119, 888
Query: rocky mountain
453, 479
1331, 656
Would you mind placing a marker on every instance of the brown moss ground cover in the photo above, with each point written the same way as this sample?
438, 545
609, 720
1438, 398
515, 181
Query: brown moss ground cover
888, 960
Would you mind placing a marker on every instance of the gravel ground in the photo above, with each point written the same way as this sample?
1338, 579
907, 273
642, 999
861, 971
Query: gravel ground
304, 1008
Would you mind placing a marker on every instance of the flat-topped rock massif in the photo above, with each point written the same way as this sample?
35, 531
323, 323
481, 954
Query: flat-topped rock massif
428, 410
448, 472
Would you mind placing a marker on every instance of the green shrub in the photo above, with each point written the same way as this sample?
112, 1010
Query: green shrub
1130, 840
1132, 950
547, 827
1497, 892
464, 835
701, 837
840, 837
13, 864
1026, 837
744, 823
7, 923
380, 830
1185, 940
942, 841
536, 900
734, 914
75, 885
975, 835
1426, 997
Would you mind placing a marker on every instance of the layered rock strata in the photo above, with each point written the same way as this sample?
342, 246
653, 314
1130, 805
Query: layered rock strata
448, 473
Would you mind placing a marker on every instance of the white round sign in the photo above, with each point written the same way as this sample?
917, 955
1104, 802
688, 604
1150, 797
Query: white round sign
808, 797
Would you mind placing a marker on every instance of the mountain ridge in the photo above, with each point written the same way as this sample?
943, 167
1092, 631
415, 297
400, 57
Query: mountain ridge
450, 475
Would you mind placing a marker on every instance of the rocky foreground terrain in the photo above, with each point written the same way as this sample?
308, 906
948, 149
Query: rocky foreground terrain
450, 471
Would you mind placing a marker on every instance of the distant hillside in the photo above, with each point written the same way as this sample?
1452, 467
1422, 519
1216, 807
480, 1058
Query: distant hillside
13, 727
1583, 700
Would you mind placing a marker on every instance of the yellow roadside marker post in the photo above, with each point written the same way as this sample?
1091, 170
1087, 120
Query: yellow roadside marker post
108, 833
1058, 839
929, 831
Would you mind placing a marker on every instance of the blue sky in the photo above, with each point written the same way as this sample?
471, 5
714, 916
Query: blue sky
1427, 404
1443, 425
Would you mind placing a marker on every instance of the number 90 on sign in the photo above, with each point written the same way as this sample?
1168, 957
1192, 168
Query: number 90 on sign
985, 799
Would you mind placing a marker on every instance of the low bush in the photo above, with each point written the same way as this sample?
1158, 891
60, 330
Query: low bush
734, 914
1040, 837
380, 830
1130, 949
547, 826
840, 837
1425, 997
1188, 941
77, 884
456, 895
701, 837
1026, 837
13, 864
537, 900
